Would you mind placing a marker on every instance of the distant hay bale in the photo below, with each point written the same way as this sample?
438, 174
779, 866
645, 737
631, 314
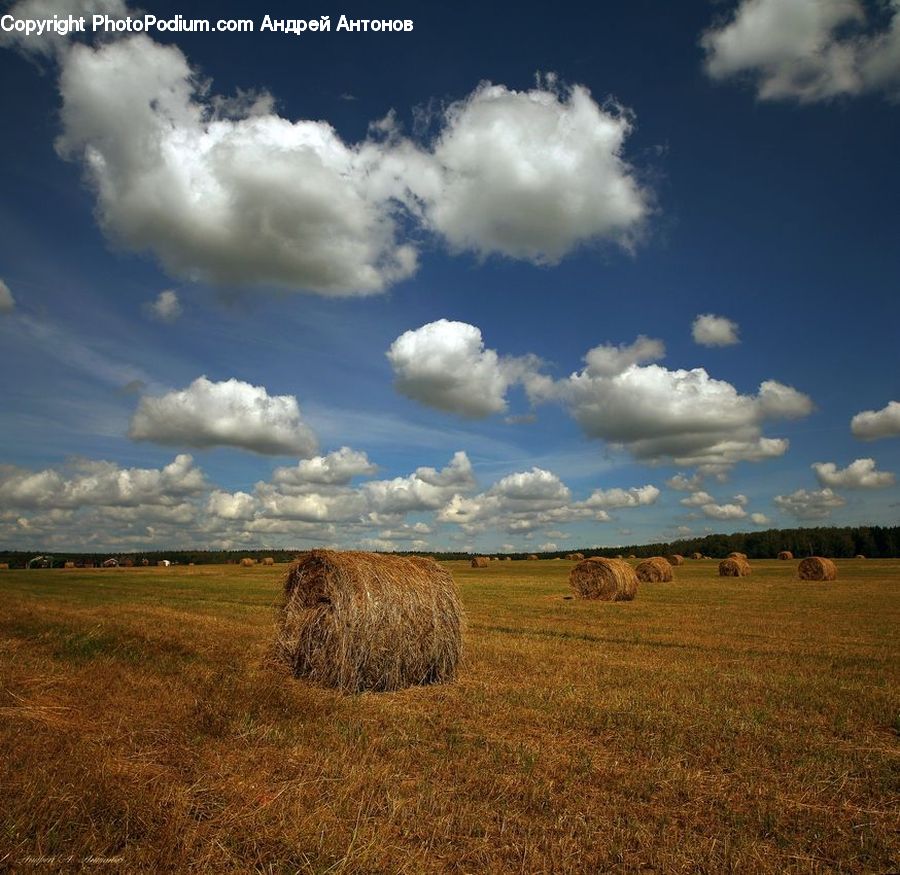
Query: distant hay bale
611, 580
532, 557
736, 555
575, 557
128, 562
247, 562
69, 564
145, 562
696, 555
632, 556
268, 560
480, 562
507, 558
860, 556
369, 621
675, 559
734, 567
785, 555
4, 566
654, 570
817, 568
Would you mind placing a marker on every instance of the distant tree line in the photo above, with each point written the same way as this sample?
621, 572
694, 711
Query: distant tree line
874, 542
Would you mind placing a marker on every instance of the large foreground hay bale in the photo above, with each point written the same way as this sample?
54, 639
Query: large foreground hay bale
786, 555
247, 562
575, 557
654, 570
612, 580
675, 559
734, 567
369, 621
480, 562
817, 568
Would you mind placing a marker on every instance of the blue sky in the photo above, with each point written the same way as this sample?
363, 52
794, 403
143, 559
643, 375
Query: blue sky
275, 214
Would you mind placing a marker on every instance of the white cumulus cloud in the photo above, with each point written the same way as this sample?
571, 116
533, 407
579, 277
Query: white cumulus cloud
165, 307
860, 474
710, 330
636, 496
337, 468
445, 365
533, 174
807, 50
724, 511
871, 425
229, 413
809, 504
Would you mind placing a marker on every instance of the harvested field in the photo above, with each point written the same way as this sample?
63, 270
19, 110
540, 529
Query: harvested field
142, 722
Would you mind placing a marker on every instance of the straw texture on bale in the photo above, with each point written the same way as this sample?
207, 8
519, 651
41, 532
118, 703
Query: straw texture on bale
269, 560
675, 559
575, 557
732, 567
737, 555
480, 562
817, 568
654, 570
785, 555
247, 562
612, 580
369, 621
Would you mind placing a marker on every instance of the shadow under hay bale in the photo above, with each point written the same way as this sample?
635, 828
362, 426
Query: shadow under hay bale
817, 568
734, 567
654, 570
785, 555
368, 621
611, 580
675, 559
480, 562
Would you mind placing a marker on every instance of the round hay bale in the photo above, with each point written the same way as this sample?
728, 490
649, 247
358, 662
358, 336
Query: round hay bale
737, 555
696, 555
860, 556
632, 556
247, 562
268, 560
575, 557
369, 621
4, 566
69, 564
507, 558
675, 559
145, 562
612, 580
480, 562
734, 567
654, 570
786, 555
817, 568
532, 557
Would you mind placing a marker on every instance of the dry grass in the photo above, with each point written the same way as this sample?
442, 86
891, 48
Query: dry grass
654, 570
611, 580
817, 568
369, 621
702, 728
